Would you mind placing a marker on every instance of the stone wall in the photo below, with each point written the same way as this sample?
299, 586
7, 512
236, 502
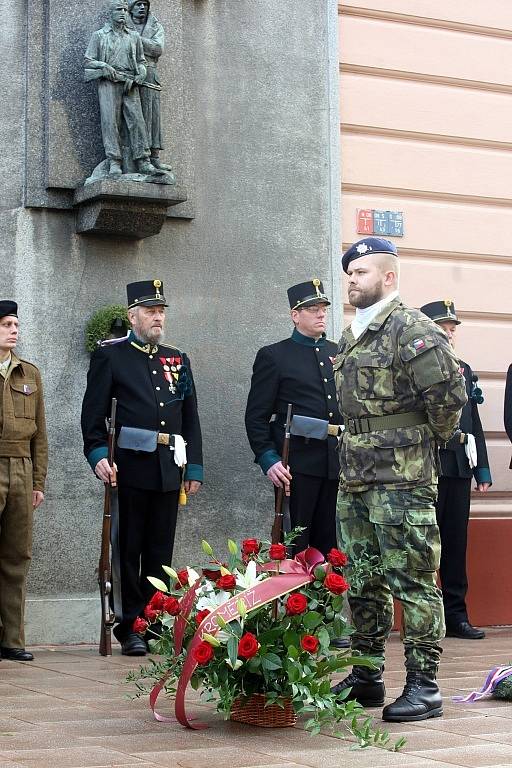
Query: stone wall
259, 102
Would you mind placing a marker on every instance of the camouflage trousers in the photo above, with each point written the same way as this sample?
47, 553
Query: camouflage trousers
392, 541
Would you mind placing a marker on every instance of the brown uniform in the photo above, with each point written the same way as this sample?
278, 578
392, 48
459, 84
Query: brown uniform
23, 465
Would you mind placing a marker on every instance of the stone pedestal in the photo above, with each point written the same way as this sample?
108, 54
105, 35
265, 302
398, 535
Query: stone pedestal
124, 208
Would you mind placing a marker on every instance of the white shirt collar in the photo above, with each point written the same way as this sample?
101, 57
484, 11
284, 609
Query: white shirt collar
364, 317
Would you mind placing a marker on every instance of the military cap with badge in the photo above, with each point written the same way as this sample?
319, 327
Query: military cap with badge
307, 294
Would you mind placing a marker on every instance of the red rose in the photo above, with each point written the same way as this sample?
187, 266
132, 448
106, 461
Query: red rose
201, 615
335, 583
337, 558
203, 653
250, 546
248, 646
277, 552
226, 582
151, 614
183, 577
310, 643
295, 604
157, 601
211, 573
172, 606
140, 625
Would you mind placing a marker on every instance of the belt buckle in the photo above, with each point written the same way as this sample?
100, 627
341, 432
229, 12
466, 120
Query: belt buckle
163, 438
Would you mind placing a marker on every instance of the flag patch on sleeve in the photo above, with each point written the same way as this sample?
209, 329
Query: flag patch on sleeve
418, 344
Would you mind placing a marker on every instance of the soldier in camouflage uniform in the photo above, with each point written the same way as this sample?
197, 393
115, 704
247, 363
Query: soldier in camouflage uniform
400, 392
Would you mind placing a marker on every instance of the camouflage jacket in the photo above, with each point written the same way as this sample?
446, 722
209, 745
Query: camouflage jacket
402, 364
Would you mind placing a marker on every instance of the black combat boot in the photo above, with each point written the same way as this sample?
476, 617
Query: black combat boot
367, 686
420, 699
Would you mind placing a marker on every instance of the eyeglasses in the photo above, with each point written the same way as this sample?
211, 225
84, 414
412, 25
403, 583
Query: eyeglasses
316, 309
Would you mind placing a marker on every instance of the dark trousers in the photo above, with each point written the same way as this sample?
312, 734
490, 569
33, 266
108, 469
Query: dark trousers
147, 523
313, 506
452, 511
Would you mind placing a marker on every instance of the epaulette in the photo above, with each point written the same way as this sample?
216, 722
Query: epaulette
170, 346
109, 342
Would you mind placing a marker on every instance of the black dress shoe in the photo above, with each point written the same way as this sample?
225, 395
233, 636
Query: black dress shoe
420, 699
366, 686
340, 642
465, 631
133, 645
17, 654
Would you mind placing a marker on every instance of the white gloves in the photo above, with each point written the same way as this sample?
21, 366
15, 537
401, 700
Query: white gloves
180, 451
470, 448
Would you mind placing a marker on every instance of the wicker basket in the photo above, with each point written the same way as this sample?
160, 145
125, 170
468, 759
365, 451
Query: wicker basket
253, 711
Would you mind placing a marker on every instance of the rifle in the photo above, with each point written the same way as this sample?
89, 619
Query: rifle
277, 527
94, 73
105, 568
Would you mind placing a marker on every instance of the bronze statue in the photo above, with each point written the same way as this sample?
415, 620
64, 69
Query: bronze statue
153, 39
115, 58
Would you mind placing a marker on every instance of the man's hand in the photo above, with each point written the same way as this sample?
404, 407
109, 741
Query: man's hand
103, 470
108, 72
483, 487
191, 486
37, 498
280, 476
140, 79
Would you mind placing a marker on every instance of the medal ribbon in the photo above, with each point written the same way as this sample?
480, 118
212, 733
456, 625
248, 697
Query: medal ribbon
293, 575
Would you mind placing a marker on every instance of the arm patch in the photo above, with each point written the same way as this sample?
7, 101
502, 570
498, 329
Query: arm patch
418, 348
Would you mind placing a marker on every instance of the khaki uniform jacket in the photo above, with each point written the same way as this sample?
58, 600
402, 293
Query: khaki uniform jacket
402, 363
22, 418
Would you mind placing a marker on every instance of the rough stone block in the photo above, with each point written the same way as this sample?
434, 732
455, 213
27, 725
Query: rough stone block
124, 208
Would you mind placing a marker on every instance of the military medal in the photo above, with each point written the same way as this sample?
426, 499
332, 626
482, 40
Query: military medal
166, 363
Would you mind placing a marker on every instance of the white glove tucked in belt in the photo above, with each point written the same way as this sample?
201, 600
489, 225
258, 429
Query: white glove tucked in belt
470, 448
180, 451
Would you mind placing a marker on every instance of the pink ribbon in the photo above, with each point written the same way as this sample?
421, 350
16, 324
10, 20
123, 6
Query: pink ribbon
495, 676
293, 575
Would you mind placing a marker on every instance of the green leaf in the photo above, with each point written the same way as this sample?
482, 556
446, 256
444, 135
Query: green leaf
337, 603
206, 548
324, 638
271, 661
291, 638
232, 647
312, 619
157, 583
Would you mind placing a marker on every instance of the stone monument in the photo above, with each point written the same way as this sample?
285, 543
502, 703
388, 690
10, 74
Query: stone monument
115, 58
153, 39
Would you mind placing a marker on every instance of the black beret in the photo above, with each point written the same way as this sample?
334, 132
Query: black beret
369, 245
8, 308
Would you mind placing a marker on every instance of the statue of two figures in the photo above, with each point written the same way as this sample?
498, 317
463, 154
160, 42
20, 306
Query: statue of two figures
122, 57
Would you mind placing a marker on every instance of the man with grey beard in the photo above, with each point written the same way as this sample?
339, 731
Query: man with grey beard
158, 445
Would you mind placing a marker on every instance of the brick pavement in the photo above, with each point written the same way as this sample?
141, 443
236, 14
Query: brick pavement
69, 709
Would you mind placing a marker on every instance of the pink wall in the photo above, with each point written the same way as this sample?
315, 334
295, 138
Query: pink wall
426, 128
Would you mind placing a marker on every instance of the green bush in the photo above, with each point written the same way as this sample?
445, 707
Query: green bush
99, 326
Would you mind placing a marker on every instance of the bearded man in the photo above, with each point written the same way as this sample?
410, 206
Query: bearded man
158, 445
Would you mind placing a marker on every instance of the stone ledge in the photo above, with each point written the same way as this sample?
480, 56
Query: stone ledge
124, 208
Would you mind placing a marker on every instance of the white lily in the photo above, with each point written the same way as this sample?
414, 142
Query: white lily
250, 577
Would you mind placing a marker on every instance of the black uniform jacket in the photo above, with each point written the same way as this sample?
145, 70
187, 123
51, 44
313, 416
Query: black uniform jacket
454, 462
134, 373
297, 370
